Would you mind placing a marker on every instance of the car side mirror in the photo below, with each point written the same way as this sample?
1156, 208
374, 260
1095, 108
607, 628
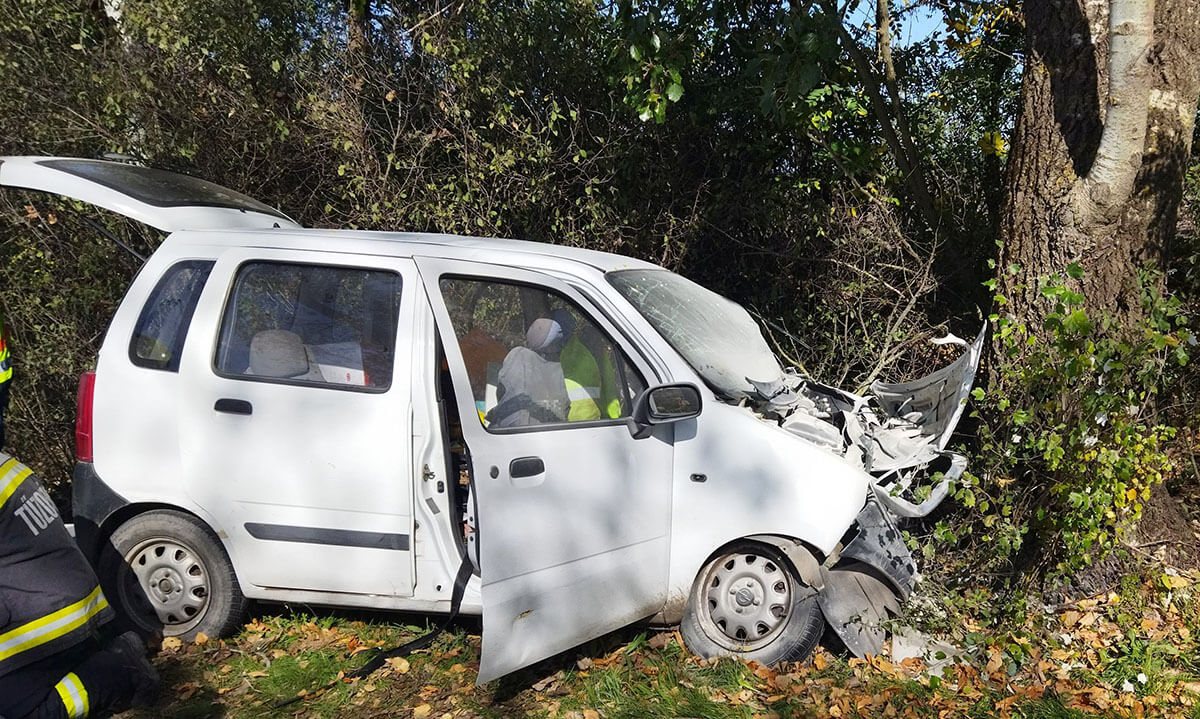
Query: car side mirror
663, 404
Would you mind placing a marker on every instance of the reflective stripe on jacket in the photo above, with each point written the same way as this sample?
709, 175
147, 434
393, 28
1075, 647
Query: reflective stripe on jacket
5, 359
49, 596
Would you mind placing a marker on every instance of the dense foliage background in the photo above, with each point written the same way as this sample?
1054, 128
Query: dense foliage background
744, 144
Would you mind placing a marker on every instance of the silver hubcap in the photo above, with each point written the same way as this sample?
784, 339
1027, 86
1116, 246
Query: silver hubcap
172, 579
748, 598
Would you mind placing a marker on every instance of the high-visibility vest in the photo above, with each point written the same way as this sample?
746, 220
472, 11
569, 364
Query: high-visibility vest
591, 388
5, 360
50, 599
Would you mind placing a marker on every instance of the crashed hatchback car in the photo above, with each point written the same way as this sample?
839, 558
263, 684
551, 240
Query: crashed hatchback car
348, 418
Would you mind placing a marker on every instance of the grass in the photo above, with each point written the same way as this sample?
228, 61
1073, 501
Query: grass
294, 665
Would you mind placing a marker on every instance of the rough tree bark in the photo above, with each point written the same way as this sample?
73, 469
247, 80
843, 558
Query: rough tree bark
1100, 148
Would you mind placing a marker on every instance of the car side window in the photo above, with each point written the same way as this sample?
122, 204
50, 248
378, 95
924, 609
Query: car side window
534, 357
162, 326
310, 324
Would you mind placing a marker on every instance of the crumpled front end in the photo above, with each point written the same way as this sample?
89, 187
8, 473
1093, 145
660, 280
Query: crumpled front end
897, 436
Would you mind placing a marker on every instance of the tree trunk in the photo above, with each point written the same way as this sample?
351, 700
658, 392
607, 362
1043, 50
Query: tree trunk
1100, 148
1098, 157
358, 14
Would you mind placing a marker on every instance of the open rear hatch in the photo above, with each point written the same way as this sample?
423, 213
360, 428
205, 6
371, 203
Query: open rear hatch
167, 201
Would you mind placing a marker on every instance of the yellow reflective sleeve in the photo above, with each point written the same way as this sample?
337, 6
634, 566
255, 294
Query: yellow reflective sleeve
52, 626
74, 696
12, 474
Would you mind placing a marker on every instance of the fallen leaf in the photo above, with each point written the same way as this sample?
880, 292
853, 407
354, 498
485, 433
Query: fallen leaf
591, 714
201, 639
584, 664
171, 643
399, 665
544, 684
1174, 581
421, 711
660, 640
995, 661
186, 690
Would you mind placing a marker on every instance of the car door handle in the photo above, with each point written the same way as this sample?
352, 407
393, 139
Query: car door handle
526, 467
233, 406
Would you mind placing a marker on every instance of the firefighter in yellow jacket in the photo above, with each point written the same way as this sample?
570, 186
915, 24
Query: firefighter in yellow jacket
55, 661
591, 380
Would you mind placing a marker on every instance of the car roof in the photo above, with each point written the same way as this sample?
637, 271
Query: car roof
413, 244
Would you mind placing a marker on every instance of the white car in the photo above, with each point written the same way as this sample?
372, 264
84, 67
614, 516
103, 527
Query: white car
347, 418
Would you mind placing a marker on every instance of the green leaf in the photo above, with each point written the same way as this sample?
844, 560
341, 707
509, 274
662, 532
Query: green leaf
275, 65
635, 52
674, 92
1078, 322
1074, 270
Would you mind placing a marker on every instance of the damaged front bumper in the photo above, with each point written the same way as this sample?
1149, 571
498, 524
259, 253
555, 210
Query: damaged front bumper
866, 582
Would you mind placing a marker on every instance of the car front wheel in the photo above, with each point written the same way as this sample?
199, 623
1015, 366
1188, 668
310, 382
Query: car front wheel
167, 572
750, 602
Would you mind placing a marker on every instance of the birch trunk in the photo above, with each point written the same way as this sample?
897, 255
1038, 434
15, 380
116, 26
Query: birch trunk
1100, 148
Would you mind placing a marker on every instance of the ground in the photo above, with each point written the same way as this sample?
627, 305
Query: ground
1129, 652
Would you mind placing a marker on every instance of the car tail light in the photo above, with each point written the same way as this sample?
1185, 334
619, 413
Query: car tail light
83, 417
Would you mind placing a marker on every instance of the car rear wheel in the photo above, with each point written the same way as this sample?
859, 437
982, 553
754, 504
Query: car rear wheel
167, 572
750, 602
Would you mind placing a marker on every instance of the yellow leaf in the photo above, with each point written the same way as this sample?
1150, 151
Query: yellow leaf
421, 711
170, 644
397, 664
1171, 581
201, 639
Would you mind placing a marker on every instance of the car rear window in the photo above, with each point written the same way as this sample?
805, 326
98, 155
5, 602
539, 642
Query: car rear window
160, 187
163, 324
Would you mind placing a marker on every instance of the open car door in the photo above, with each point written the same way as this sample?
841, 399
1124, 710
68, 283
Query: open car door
163, 200
572, 516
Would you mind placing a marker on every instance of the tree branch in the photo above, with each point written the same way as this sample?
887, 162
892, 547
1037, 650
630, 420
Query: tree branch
907, 162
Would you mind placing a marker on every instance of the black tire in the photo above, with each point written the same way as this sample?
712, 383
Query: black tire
165, 571
749, 601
